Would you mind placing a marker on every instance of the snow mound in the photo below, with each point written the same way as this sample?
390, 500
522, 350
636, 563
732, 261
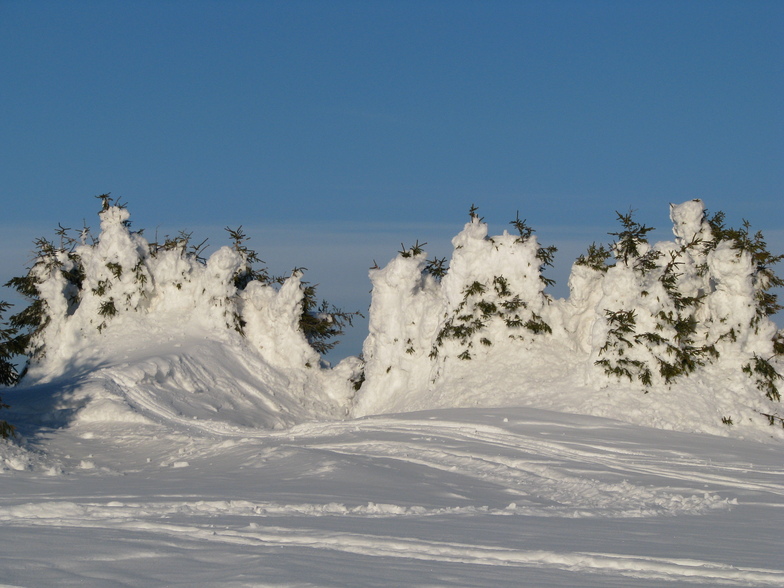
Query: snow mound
185, 376
18, 458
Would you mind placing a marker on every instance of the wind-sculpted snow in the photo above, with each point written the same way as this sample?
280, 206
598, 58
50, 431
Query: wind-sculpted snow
479, 497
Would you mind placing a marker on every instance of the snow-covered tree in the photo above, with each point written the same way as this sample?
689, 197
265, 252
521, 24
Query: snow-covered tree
10, 347
88, 283
670, 309
427, 316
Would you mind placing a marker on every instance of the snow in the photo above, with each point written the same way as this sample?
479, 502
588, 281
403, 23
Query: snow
468, 497
193, 437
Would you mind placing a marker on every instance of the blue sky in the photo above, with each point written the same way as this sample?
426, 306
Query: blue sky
335, 130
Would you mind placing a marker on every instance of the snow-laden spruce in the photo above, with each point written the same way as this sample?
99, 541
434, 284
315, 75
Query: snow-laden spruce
675, 334
130, 330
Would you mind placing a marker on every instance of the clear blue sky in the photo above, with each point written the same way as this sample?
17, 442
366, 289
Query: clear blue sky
335, 130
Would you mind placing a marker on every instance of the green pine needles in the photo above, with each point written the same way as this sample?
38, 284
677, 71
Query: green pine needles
10, 346
680, 334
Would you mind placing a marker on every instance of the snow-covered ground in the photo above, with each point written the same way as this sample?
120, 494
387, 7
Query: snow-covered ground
176, 428
454, 497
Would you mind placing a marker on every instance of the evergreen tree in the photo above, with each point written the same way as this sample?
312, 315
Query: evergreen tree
9, 348
322, 322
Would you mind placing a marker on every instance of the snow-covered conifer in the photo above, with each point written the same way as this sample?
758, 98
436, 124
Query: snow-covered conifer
427, 320
10, 347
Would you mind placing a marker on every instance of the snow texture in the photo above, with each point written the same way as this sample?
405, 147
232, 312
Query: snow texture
454, 497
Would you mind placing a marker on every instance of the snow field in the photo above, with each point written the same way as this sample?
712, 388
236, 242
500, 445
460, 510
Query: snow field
161, 446
482, 497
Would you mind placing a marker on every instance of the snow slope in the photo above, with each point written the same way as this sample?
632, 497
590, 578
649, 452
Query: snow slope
459, 497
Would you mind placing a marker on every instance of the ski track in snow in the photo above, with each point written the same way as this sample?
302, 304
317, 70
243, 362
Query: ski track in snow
566, 468
650, 568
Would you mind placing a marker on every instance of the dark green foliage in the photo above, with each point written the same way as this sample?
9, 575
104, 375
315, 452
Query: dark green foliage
356, 383
501, 286
10, 346
107, 202
596, 258
437, 268
246, 273
522, 228
628, 245
536, 325
6, 429
487, 308
621, 338
181, 243
412, 251
727, 421
545, 255
778, 343
765, 376
34, 318
478, 308
475, 288
762, 260
683, 356
115, 268
108, 309
322, 322
669, 279
773, 418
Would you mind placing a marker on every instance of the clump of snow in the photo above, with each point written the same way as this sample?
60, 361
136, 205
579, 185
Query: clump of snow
19, 458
